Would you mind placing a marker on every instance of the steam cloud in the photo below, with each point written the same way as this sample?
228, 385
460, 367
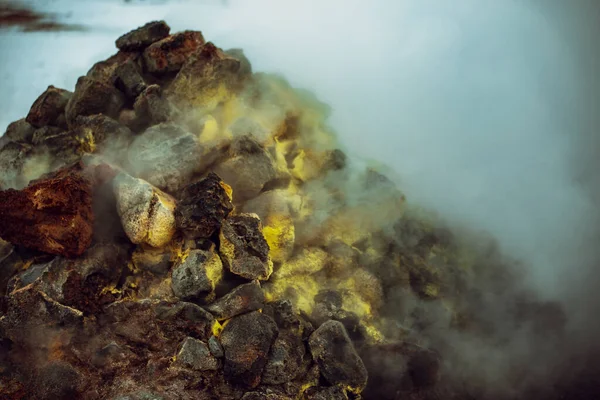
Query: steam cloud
483, 111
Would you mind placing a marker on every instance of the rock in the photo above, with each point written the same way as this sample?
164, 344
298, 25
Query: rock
20, 131
156, 261
166, 156
49, 108
106, 71
146, 212
265, 396
207, 78
215, 347
244, 298
308, 261
245, 66
144, 36
243, 247
197, 276
186, 317
104, 135
57, 380
152, 107
170, 53
93, 97
246, 341
203, 206
247, 170
330, 393
333, 351
53, 215
194, 354
285, 359
129, 79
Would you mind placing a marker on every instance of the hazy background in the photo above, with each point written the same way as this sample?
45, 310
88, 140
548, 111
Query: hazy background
485, 109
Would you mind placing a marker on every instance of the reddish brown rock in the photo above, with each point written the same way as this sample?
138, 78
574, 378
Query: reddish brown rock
49, 108
143, 36
53, 215
170, 53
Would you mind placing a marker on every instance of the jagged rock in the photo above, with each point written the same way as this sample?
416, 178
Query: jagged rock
20, 131
243, 247
129, 79
206, 79
157, 261
330, 393
334, 352
93, 97
246, 341
143, 36
152, 107
146, 212
203, 206
247, 170
166, 156
57, 380
197, 275
106, 71
244, 298
285, 359
53, 215
48, 109
194, 354
215, 347
170, 53
186, 317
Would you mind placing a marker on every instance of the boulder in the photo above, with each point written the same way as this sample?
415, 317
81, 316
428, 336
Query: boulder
197, 276
53, 215
170, 53
244, 298
202, 207
243, 247
49, 108
285, 359
93, 97
146, 212
194, 354
156, 261
129, 79
335, 355
144, 36
20, 131
151, 107
106, 71
246, 341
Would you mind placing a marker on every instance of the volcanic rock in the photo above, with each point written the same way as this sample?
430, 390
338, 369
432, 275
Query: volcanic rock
152, 107
264, 396
52, 215
248, 168
93, 97
157, 261
129, 79
194, 354
203, 206
206, 79
146, 212
197, 275
102, 134
333, 351
57, 380
186, 317
246, 341
48, 109
170, 53
13, 157
244, 298
330, 393
243, 247
215, 347
285, 359
144, 36
106, 71
20, 131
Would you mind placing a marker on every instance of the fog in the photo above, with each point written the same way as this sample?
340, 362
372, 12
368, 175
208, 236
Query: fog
483, 110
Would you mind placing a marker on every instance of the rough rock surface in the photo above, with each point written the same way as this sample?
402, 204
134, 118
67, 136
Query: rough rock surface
285, 359
129, 78
246, 341
151, 106
203, 206
93, 97
334, 352
243, 247
170, 53
19, 131
197, 276
143, 36
244, 298
53, 215
49, 108
195, 354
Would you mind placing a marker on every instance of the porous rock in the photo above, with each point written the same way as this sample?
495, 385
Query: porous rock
244, 298
143, 36
197, 276
194, 354
243, 247
330, 393
215, 347
129, 79
170, 53
152, 107
285, 359
93, 97
48, 109
20, 131
246, 341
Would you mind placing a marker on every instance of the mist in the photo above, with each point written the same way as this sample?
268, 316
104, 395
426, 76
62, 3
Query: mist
483, 111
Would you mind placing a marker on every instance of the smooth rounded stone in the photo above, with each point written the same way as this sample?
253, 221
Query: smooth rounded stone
151, 107
197, 276
146, 213
129, 79
170, 53
93, 97
143, 36
247, 170
202, 207
336, 357
244, 298
285, 359
48, 107
166, 156
243, 247
195, 354
20, 131
246, 342
215, 347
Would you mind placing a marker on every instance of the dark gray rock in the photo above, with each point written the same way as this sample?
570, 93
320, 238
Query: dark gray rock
197, 275
20, 131
244, 298
215, 347
93, 97
285, 359
48, 109
187, 317
57, 380
246, 341
195, 354
143, 36
129, 79
334, 352
330, 393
